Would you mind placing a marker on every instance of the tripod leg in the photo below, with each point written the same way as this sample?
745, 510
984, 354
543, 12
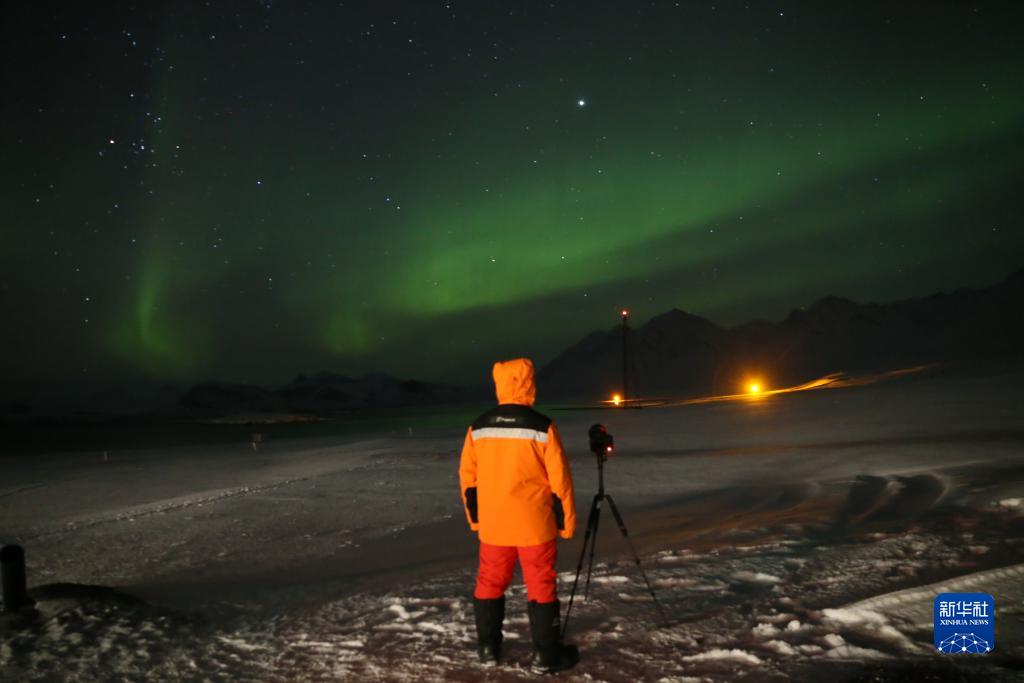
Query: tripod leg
636, 557
588, 537
593, 545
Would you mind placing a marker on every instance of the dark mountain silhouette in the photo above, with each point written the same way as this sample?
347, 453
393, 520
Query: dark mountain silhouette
673, 354
324, 392
677, 353
327, 389
231, 397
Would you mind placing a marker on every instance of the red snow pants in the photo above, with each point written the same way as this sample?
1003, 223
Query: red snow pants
497, 563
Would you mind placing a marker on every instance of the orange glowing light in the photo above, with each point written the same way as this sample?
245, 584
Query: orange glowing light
624, 313
754, 388
616, 399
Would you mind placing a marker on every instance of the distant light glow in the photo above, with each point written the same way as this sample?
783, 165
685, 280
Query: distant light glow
754, 388
625, 313
581, 103
616, 399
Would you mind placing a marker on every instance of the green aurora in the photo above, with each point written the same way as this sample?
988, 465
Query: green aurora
274, 217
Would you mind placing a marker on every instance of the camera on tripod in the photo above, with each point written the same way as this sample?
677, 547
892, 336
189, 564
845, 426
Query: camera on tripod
602, 443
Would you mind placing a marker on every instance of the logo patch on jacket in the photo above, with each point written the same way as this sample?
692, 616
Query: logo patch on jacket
512, 422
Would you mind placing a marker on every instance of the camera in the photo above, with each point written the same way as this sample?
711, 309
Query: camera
602, 443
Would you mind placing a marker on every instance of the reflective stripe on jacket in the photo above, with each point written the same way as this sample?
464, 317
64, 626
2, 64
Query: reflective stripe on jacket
515, 480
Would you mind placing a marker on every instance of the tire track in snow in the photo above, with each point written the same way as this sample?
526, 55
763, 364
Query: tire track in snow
984, 580
21, 489
184, 502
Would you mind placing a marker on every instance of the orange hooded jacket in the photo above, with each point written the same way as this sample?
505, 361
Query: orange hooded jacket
515, 480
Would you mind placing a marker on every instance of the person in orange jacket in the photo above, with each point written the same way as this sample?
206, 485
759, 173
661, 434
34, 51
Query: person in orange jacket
517, 491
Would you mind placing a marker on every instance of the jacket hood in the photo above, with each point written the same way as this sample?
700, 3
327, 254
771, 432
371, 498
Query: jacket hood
513, 381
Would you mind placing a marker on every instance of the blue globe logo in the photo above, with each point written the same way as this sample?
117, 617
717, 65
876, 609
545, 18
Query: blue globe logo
964, 643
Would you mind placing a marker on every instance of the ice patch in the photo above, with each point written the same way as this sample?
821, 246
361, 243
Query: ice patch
351, 643
395, 627
854, 652
756, 577
637, 597
670, 556
833, 640
55, 630
400, 612
853, 616
780, 647
610, 579
739, 656
240, 644
708, 587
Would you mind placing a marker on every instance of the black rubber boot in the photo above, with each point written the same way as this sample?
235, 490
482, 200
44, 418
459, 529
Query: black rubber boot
546, 629
489, 616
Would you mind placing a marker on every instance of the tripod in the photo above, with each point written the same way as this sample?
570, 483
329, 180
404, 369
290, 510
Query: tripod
601, 445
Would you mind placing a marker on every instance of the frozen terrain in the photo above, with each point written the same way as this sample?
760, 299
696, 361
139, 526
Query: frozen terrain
796, 536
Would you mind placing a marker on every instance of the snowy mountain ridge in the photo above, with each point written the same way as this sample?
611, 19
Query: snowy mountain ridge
680, 353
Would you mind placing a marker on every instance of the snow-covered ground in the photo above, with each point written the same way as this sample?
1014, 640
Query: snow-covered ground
799, 536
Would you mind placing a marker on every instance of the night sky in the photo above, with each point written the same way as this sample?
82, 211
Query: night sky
248, 190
